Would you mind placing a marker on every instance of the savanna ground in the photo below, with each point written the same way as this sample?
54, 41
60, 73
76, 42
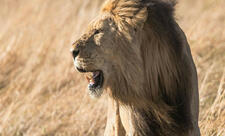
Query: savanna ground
42, 94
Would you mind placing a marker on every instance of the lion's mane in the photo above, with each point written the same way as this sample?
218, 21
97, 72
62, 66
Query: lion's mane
157, 77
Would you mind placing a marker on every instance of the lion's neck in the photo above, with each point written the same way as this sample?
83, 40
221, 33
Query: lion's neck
138, 122
129, 120
114, 126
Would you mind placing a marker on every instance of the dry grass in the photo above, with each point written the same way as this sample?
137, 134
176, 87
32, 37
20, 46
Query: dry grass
40, 92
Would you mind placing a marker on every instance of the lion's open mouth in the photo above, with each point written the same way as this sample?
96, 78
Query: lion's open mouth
95, 80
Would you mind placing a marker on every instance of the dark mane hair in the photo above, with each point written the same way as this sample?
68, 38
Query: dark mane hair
168, 80
163, 106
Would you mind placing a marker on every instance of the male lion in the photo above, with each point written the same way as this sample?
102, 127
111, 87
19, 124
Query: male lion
136, 52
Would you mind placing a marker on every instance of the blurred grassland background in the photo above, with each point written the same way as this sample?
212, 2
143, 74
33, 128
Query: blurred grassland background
41, 94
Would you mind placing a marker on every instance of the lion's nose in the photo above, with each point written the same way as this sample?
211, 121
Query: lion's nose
75, 52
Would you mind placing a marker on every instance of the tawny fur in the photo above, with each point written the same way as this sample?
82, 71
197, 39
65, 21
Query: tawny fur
149, 73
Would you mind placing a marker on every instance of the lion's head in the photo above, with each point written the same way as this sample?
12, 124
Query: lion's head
128, 51
109, 51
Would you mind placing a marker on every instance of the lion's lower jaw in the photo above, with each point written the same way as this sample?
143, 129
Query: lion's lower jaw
95, 93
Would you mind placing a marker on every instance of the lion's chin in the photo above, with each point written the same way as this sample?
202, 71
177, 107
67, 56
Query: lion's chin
95, 93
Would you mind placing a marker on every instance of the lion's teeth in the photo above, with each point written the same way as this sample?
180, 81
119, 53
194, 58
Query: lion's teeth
95, 74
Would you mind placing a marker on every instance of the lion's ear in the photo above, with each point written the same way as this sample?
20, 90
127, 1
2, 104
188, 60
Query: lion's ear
133, 12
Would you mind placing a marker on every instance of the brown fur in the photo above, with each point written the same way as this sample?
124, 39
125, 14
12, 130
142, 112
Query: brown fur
148, 68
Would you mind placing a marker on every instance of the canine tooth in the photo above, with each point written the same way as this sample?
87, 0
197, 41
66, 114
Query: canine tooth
95, 74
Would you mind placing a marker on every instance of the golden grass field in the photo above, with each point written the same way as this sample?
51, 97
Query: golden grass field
41, 94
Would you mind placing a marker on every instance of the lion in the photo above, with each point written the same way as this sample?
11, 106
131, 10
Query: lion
136, 53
